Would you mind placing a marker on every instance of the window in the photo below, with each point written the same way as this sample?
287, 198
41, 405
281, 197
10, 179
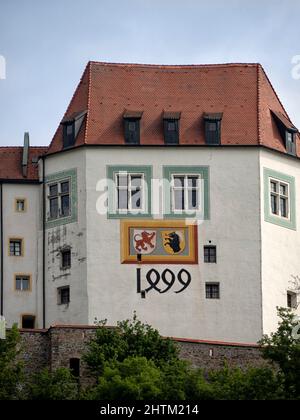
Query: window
210, 254
16, 247
130, 191
68, 134
64, 295
292, 300
279, 199
75, 367
20, 205
59, 199
279, 196
132, 126
212, 290
23, 283
213, 128
291, 143
171, 127
185, 192
28, 321
66, 258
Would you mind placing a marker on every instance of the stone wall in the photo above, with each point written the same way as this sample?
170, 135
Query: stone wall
53, 348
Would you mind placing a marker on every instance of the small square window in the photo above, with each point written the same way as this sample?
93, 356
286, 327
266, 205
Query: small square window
212, 290
210, 254
16, 247
28, 322
64, 295
20, 205
22, 283
66, 258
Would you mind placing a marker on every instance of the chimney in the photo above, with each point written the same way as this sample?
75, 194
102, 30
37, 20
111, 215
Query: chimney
25, 155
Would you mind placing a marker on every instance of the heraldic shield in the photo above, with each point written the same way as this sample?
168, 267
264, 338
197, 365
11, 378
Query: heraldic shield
173, 241
144, 241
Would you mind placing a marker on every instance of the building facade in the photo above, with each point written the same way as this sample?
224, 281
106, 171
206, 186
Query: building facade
169, 191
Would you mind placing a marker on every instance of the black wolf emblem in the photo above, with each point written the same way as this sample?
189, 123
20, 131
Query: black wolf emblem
173, 240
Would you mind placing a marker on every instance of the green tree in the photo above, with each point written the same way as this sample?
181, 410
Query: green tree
131, 338
283, 349
57, 385
135, 378
11, 370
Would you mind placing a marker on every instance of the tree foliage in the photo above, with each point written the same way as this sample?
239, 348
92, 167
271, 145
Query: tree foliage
283, 349
57, 385
11, 370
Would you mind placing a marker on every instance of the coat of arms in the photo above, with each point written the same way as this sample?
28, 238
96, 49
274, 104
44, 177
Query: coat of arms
144, 241
173, 241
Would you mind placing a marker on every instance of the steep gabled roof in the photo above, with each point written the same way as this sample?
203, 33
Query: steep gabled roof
11, 163
241, 92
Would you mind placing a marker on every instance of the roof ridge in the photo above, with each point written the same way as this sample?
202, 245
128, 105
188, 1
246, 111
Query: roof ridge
104, 63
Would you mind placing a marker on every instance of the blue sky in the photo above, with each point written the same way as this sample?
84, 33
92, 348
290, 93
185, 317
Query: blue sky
46, 45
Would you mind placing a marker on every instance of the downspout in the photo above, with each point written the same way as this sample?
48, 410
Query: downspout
44, 245
2, 253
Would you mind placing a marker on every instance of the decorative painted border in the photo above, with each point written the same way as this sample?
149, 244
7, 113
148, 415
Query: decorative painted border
111, 171
126, 258
58, 177
269, 217
168, 171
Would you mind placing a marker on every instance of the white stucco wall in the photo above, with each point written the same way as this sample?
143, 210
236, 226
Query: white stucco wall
73, 235
234, 226
280, 246
22, 225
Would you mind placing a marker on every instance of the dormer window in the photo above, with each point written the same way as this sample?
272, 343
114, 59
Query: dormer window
291, 143
132, 126
71, 128
213, 128
69, 137
171, 127
287, 131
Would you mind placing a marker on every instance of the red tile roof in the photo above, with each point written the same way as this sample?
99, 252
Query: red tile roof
242, 92
11, 163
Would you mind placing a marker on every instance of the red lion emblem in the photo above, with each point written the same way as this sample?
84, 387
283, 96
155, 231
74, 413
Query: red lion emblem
143, 240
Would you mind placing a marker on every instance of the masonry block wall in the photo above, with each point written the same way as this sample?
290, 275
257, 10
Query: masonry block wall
53, 348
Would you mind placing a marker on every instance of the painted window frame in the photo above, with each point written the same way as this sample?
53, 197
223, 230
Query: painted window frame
203, 173
17, 199
281, 178
29, 276
59, 178
112, 171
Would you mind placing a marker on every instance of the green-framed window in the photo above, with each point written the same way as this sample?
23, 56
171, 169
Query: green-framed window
186, 191
279, 199
61, 196
129, 191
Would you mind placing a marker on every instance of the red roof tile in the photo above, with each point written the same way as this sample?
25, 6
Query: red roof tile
241, 92
11, 163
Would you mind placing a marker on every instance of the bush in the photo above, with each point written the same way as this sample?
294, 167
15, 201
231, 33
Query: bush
57, 385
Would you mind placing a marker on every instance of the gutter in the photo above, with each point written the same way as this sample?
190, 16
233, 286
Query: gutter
2, 253
44, 243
